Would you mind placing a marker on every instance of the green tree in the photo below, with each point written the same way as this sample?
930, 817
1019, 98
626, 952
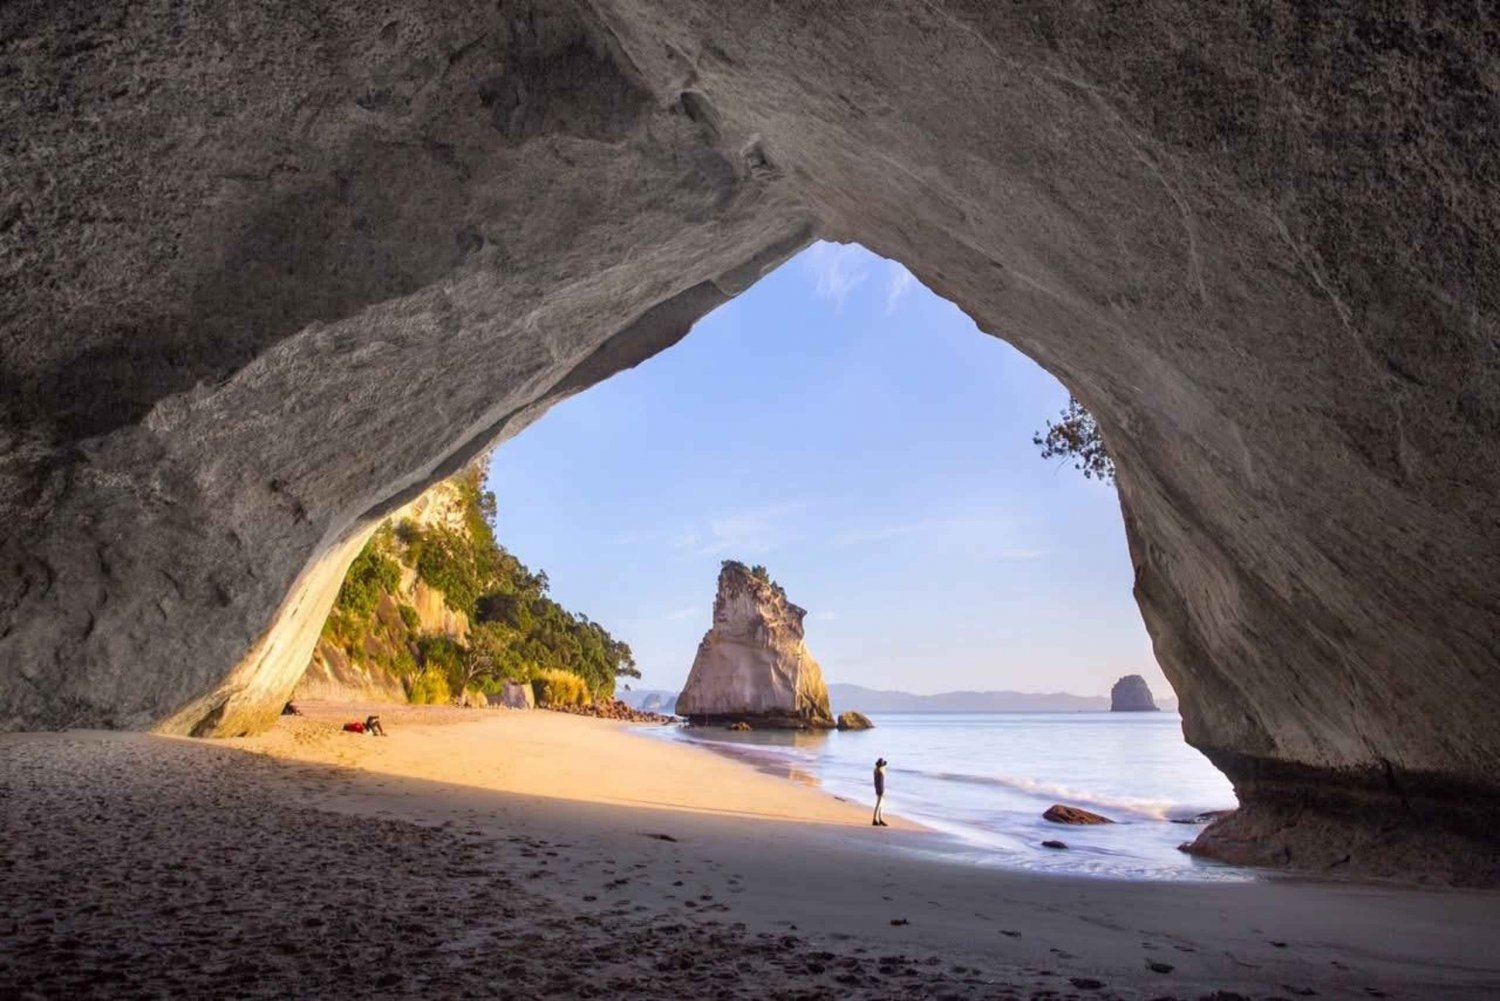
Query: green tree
372, 574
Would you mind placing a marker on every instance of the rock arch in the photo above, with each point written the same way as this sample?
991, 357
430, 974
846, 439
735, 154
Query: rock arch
271, 270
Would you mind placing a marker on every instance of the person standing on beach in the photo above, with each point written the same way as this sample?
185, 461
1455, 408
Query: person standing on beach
878, 820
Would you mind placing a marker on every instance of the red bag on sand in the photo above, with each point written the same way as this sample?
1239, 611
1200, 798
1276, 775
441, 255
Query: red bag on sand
355, 727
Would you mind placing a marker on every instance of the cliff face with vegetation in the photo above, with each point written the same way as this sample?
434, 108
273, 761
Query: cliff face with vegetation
752, 665
433, 608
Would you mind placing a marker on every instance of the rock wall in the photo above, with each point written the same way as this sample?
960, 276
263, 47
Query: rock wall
752, 665
332, 675
1131, 694
271, 269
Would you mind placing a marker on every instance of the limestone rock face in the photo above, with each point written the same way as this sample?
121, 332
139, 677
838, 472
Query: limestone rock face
752, 665
269, 273
1131, 694
334, 677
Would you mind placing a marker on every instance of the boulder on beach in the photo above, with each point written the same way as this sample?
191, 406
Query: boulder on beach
1131, 694
752, 665
1060, 814
742, 726
852, 720
515, 695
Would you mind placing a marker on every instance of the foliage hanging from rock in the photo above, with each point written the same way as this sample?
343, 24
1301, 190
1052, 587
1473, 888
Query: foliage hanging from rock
1076, 436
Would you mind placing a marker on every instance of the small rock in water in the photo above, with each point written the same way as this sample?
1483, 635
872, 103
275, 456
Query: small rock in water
1060, 814
852, 720
1053, 844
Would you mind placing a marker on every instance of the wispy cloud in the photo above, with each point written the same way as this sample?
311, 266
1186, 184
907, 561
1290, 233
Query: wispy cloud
837, 269
990, 537
882, 533
743, 533
681, 614
898, 284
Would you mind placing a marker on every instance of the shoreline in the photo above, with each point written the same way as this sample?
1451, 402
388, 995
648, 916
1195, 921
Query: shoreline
551, 759
1142, 843
301, 862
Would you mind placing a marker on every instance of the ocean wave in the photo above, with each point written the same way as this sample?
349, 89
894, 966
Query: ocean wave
1146, 809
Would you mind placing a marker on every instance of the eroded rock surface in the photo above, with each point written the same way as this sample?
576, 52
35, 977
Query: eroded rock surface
1061, 814
852, 720
752, 665
271, 269
1131, 694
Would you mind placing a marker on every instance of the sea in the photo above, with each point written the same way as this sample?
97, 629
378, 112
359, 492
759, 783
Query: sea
983, 781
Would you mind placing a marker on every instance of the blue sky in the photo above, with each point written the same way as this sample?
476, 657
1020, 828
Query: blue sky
860, 437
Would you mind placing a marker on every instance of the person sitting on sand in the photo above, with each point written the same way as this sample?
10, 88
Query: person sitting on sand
373, 727
879, 821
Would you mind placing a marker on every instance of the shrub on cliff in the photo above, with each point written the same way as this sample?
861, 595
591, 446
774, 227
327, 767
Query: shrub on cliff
372, 574
1076, 436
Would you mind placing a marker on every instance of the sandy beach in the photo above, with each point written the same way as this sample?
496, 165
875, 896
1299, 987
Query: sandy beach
532, 854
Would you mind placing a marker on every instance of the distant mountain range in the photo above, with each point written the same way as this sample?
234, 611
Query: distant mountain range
870, 700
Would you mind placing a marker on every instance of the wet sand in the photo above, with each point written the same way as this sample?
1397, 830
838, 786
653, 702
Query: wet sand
529, 855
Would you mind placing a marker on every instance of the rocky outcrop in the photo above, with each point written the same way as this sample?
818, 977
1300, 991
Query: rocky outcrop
1060, 814
264, 284
515, 695
1131, 694
752, 665
851, 720
658, 703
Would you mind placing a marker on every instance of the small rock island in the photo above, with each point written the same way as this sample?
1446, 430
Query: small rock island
752, 665
1131, 694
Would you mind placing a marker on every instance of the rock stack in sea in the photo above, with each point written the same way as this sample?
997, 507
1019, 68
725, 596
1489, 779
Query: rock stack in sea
1131, 694
753, 665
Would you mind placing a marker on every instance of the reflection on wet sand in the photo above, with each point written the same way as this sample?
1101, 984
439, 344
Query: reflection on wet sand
741, 746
